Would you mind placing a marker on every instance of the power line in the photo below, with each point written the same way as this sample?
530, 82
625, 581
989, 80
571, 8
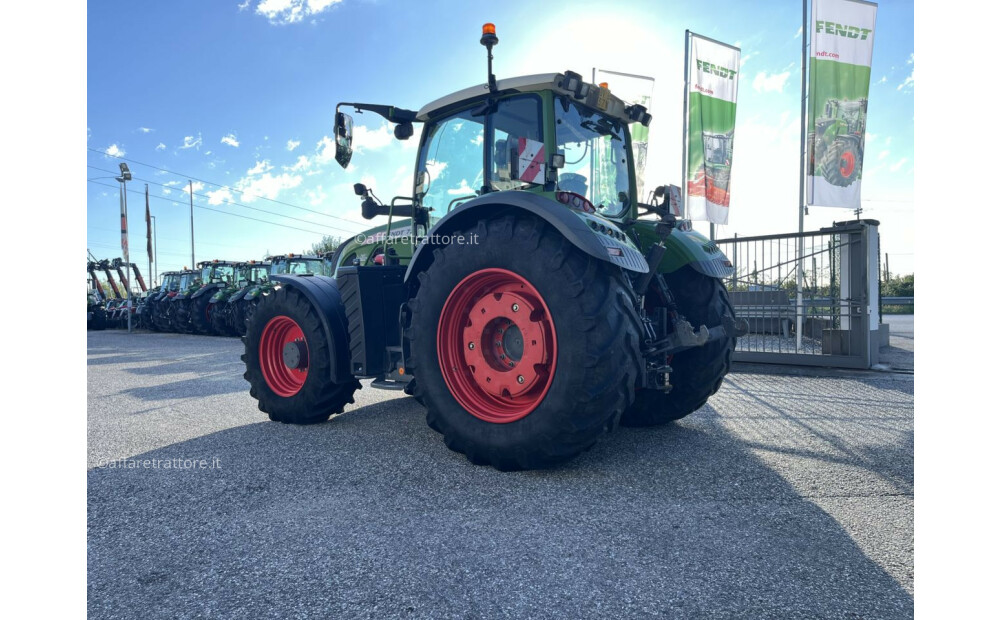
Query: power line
234, 203
188, 176
245, 217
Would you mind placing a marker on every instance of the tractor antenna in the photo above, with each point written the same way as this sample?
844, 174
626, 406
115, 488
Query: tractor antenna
489, 39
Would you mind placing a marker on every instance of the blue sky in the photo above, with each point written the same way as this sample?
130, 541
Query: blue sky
240, 97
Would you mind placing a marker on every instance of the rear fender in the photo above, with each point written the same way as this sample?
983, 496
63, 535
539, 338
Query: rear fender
206, 289
322, 293
583, 230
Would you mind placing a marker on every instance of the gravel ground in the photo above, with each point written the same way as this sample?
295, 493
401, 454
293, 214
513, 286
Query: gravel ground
786, 496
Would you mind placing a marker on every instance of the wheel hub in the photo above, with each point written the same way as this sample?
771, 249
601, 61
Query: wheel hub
496, 345
295, 354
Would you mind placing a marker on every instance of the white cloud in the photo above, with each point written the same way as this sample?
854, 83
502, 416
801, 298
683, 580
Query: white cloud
197, 186
909, 60
888, 141
145, 129
172, 183
365, 138
882, 81
907, 85
114, 151
774, 82
302, 163
243, 7
293, 144
191, 142
899, 164
260, 167
231, 140
292, 11
219, 196
266, 185
883, 154
798, 33
161, 147
316, 196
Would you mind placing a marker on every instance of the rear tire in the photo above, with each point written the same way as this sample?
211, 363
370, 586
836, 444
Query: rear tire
304, 395
698, 372
201, 319
578, 382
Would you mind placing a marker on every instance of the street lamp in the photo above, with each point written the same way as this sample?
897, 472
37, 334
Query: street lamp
123, 202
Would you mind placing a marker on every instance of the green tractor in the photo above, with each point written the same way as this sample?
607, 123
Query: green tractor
838, 142
227, 311
198, 303
546, 306
177, 315
281, 264
156, 305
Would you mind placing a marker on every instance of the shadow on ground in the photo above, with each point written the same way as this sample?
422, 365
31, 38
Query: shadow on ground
370, 515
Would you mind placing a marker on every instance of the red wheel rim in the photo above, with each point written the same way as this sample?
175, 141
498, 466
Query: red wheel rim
846, 164
496, 345
283, 380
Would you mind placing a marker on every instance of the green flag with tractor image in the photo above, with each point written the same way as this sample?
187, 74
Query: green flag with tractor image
712, 71
843, 37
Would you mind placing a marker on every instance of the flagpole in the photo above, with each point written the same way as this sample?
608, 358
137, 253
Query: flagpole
149, 258
684, 132
803, 154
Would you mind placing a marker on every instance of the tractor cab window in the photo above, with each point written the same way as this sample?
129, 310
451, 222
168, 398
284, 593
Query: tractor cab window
518, 145
596, 157
452, 158
305, 265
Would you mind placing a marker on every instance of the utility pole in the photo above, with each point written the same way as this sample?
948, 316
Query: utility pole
191, 196
156, 259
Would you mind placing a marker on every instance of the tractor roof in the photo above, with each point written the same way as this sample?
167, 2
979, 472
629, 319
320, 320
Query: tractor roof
567, 83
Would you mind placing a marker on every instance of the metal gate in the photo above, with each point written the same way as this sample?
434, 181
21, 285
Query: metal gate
809, 298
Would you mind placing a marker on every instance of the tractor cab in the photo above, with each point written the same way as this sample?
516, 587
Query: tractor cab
295, 264
217, 271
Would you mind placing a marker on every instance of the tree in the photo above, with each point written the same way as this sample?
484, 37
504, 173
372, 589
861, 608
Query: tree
898, 286
329, 243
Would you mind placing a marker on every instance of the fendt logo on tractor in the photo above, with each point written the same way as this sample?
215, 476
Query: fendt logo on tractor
578, 308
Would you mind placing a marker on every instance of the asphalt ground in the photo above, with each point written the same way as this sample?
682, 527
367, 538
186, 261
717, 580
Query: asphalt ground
784, 497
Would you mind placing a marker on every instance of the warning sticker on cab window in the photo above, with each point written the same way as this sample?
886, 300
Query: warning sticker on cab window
531, 161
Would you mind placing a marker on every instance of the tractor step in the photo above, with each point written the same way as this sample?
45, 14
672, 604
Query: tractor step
383, 384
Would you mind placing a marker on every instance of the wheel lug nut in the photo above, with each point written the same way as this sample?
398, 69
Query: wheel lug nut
511, 364
515, 307
520, 378
472, 345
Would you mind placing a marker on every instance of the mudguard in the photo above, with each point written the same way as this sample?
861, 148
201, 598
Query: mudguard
686, 247
205, 289
588, 232
238, 295
323, 294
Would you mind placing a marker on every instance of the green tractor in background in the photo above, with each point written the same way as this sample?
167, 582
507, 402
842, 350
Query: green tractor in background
281, 264
536, 301
177, 315
197, 304
158, 304
838, 142
227, 312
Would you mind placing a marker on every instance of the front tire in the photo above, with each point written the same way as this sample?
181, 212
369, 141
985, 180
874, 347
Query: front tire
841, 163
288, 362
698, 372
554, 353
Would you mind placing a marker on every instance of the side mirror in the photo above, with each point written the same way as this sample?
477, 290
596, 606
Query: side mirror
403, 131
343, 131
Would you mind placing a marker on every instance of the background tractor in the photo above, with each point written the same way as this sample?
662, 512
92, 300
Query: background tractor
97, 315
547, 305
177, 313
227, 312
281, 264
838, 142
157, 304
195, 309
